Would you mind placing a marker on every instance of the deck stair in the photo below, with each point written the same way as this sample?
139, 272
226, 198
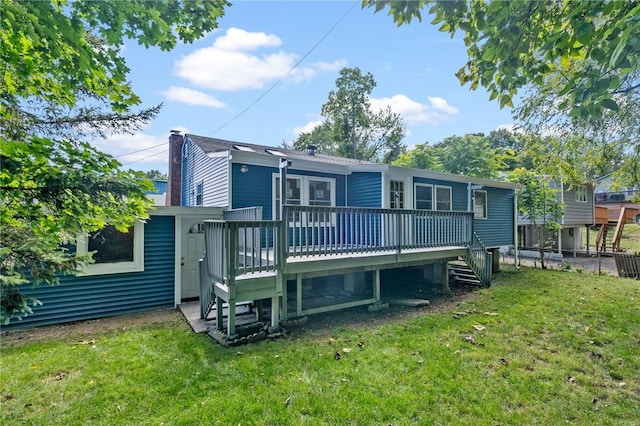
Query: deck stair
610, 234
461, 274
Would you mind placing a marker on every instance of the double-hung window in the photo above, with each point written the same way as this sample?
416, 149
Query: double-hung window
581, 194
424, 199
480, 204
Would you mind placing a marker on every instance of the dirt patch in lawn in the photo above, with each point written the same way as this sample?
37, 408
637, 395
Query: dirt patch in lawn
83, 330
316, 325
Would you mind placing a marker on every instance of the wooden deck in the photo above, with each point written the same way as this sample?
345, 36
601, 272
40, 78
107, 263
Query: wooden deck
252, 260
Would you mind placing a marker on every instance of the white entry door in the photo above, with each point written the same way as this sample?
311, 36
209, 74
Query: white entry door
192, 252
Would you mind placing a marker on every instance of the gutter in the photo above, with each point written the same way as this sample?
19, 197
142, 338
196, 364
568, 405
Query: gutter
515, 229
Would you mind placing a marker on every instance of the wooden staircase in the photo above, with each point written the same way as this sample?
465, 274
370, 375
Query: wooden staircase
607, 239
462, 275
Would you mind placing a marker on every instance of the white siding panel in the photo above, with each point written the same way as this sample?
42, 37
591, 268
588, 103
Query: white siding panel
213, 172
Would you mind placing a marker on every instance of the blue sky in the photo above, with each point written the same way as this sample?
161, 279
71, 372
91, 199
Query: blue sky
205, 85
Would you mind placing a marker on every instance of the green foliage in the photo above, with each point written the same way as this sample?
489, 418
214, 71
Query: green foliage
468, 155
63, 81
52, 193
514, 44
538, 203
351, 129
155, 175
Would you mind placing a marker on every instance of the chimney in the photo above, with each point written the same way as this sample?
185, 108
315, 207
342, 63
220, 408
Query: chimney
174, 186
311, 149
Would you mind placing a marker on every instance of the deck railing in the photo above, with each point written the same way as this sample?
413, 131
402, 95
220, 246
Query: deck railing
480, 260
240, 247
317, 231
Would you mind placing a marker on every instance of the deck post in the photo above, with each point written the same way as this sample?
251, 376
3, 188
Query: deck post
231, 317
219, 314
275, 312
376, 285
298, 295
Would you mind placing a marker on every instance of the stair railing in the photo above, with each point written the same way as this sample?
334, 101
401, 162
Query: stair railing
480, 260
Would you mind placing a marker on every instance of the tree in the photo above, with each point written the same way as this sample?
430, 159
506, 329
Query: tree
422, 156
514, 44
351, 129
538, 203
604, 144
63, 79
155, 175
468, 155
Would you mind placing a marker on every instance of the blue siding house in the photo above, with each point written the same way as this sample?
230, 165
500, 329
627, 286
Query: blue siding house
342, 222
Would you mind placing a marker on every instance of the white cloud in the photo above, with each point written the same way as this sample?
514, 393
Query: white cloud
238, 39
240, 60
436, 111
192, 97
306, 128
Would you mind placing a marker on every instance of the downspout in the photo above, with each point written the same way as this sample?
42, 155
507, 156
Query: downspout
469, 196
515, 229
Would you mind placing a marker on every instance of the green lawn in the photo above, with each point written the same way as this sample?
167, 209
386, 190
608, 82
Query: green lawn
549, 347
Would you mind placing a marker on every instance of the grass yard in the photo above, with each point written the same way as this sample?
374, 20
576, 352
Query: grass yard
540, 347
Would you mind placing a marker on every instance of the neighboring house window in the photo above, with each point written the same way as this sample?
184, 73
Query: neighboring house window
396, 194
424, 197
115, 252
443, 198
581, 194
480, 204
199, 193
305, 191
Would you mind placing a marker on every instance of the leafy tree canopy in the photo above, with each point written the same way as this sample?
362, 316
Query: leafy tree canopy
351, 128
514, 44
63, 80
155, 175
468, 155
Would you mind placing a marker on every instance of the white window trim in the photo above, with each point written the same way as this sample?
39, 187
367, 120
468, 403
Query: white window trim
195, 200
304, 190
137, 265
581, 190
435, 197
486, 204
405, 194
415, 194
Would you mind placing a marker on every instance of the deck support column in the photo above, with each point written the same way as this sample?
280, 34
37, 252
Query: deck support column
298, 295
231, 318
219, 314
275, 312
376, 285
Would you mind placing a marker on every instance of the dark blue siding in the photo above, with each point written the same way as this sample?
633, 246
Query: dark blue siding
364, 190
96, 296
255, 188
497, 229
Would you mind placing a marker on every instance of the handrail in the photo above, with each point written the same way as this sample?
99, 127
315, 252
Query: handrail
480, 260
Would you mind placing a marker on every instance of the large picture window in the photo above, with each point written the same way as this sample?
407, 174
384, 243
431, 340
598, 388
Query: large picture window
115, 252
